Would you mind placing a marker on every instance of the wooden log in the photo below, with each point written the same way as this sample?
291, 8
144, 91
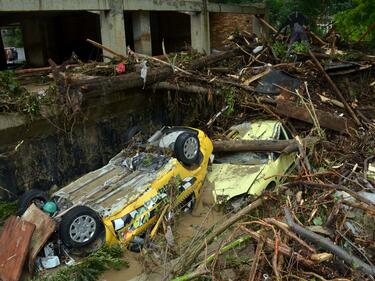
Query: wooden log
14, 246
39, 70
103, 85
123, 82
180, 87
214, 58
258, 145
326, 119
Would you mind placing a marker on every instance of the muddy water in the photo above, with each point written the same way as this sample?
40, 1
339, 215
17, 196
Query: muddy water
203, 216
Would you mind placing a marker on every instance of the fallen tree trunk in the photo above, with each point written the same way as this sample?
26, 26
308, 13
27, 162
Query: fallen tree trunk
123, 82
181, 87
259, 145
133, 80
326, 120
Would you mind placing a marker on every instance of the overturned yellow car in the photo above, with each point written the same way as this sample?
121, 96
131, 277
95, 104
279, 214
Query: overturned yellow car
125, 197
235, 174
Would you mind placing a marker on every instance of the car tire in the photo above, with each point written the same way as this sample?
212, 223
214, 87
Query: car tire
36, 196
131, 132
80, 226
187, 149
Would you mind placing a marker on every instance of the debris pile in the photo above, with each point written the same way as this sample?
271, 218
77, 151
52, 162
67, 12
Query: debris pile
318, 222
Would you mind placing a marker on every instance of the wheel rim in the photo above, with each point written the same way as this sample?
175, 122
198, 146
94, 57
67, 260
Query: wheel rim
82, 229
190, 148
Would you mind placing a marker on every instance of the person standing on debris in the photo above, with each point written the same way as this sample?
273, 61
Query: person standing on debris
298, 26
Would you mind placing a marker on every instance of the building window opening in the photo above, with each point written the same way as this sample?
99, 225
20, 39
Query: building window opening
13, 45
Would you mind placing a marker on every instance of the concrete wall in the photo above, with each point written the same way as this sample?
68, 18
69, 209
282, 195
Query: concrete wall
50, 157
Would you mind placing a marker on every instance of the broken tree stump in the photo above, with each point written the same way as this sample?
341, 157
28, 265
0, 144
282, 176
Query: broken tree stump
326, 119
259, 145
14, 247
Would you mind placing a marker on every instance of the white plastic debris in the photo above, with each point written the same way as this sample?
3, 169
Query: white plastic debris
169, 236
144, 72
50, 262
48, 250
258, 49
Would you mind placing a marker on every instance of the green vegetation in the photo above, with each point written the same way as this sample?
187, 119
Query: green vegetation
351, 17
8, 84
7, 209
12, 37
14, 97
300, 47
229, 93
89, 268
280, 49
354, 22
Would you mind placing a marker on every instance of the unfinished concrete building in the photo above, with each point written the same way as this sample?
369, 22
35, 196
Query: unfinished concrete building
56, 28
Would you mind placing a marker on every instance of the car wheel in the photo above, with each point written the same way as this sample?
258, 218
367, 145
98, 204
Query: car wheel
35, 196
80, 226
131, 132
186, 149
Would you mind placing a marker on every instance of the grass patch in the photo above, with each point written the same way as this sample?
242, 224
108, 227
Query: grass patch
7, 209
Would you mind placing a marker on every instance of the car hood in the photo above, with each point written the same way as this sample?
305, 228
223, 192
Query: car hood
117, 184
230, 180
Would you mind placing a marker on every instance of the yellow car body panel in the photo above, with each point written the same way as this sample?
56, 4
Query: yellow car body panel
233, 179
132, 212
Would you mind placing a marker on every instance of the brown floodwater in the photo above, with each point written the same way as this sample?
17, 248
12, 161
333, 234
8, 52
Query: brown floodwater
203, 216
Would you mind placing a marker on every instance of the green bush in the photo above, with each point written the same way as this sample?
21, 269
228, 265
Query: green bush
354, 22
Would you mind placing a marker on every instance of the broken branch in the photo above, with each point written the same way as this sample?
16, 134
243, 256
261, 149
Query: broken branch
328, 245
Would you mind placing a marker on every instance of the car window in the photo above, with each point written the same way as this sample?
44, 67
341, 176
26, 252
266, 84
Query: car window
244, 158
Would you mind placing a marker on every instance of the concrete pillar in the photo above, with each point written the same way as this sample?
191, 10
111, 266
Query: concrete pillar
142, 32
112, 28
200, 32
3, 61
34, 42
